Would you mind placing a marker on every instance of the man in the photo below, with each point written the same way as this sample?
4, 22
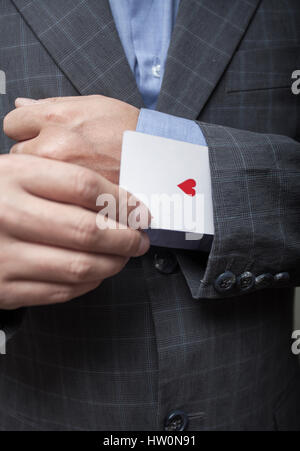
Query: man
177, 339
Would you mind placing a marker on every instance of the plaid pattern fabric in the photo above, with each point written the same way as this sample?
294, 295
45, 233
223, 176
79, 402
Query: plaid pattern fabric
141, 346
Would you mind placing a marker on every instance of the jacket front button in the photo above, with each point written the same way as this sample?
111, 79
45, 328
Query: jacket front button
225, 282
246, 282
165, 262
176, 421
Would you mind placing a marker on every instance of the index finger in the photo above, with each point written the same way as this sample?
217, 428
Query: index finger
21, 102
71, 184
26, 122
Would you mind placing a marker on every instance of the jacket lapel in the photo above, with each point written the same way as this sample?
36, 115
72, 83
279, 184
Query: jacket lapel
82, 39
205, 38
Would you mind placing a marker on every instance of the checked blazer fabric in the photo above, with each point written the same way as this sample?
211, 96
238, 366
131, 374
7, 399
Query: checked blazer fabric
145, 343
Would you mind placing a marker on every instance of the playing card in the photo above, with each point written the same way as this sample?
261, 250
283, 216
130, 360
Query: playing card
172, 178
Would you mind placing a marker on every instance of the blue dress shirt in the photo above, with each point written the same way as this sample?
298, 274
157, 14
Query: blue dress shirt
145, 28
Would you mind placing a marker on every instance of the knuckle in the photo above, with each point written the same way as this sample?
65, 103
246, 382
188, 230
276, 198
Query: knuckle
132, 243
15, 149
86, 231
60, 296
40, 149
46, 151
9, 213
59, 148
55, 116
84, 184
79, 269
61, 113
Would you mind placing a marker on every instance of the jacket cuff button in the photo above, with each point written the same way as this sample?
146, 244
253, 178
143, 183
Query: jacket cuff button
264, 281
246, 282
176, 421
225, 283
282, 278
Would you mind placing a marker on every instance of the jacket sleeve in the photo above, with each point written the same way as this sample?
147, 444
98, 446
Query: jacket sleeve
256, 197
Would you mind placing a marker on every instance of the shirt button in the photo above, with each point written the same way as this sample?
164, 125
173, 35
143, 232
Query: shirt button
176, 421
156, 68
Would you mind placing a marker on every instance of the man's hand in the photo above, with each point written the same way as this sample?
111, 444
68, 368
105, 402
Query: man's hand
87, 131
51, 249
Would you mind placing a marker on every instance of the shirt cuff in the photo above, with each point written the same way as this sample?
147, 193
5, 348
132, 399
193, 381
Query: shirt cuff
172, 127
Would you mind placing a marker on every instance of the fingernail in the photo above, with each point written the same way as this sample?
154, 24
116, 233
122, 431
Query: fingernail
144, 245
24, 102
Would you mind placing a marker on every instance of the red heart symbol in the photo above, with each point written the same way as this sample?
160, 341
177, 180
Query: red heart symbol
188, 187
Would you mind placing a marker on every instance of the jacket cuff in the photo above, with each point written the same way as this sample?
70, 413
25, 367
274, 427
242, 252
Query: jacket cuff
251, 248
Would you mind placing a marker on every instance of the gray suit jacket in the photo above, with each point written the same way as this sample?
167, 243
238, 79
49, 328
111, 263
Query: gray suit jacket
210, 336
